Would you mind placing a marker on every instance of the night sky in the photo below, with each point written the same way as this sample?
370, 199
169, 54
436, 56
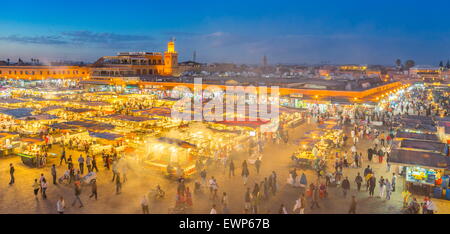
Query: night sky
291, 32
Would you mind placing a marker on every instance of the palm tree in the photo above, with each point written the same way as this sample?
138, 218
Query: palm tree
409, 64
398, 62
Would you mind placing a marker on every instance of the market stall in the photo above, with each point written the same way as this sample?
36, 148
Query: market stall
423, 170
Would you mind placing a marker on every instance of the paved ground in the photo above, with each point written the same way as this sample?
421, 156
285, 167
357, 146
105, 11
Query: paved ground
19, 198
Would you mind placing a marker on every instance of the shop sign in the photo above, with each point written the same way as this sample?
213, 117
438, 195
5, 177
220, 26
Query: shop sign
296, 95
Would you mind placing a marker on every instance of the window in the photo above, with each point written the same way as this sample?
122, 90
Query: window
41, 72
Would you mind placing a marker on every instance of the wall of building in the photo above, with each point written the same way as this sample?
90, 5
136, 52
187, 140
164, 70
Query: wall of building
43, 72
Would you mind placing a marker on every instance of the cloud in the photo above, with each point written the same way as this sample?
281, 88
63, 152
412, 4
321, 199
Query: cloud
99, 39
47, 40
108, 38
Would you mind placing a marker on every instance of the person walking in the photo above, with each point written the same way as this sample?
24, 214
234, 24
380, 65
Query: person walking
144, 205
274, 182
300, 204
382, 187
94, 189
388, 189
60, 205
258, 165
203, 176
77, 194
44, 186
247, 200
213, 209
315, 197
231, 169
81, 164
36, 187
282, 210
53, 171
372, 183
245, 172
115, 170
393, 181
89, 163
11, 173
224, 200
352, 209
63, 157
358, 181
94, 164
345, 186
118, 183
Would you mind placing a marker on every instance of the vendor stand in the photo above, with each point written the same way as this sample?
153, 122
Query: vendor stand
423, 171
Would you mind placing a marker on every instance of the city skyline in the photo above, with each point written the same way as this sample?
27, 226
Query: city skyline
241, 32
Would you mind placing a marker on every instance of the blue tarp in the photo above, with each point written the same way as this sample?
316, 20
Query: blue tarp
17, 113
418, 136
49, 108
39, 117
130, 118
10, 100
419, 158
425, 145
80, 110
419, 127
105, 135
88, 124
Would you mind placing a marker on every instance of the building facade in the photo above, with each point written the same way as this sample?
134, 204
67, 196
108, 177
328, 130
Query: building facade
44, 72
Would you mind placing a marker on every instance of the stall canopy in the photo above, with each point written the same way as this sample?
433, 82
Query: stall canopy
39, 117
31, 139
79, 110
250, 124
87, 124
418, 136
158, 111
424, 145
178, 142
418, 121
17, 113
420, 127
49, 108
419, 158
94, 103
62, 126
130, 118
10, 100
105, 135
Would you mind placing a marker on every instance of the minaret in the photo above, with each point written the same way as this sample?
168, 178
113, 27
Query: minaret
170, 58
264, 61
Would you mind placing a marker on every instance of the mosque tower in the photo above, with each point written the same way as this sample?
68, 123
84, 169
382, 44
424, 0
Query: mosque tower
170, 58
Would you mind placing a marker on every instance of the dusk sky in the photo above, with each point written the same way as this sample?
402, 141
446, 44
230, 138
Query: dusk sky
295, 32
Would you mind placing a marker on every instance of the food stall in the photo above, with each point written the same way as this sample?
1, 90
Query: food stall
170, 155
6, 140
423, 170
29, 149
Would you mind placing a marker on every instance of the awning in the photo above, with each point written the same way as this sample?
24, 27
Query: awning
418, 136
425, 145
130, 118
105, 135
17, 113
419, 158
